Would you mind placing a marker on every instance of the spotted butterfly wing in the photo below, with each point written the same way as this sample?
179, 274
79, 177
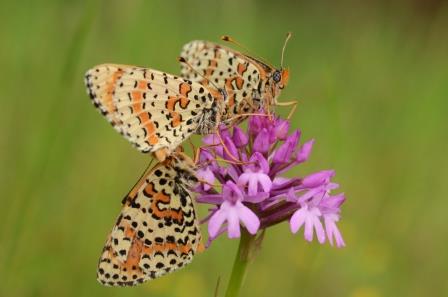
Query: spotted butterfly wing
249, 82
152, 109
156, 232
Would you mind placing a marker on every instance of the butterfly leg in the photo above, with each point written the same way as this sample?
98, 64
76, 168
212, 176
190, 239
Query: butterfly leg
292, 103
215, 156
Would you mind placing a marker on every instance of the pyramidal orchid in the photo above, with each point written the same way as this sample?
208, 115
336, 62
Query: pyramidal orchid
252, 190
247, 190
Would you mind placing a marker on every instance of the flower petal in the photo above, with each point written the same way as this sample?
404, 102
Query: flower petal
297, 219
249, 218
253, 186
265, 182
233, 223
332, 230
320, 233
244, 178
215, 222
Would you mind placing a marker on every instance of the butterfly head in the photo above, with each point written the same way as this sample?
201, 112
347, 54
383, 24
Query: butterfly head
280, 78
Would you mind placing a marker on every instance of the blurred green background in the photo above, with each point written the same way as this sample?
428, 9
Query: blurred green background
372, 79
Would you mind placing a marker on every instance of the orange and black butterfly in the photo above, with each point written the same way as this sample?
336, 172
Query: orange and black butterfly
250, 84
154, 110
157, 231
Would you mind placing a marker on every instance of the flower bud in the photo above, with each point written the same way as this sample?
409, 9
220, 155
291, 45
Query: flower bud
239, 137
261, 143
305, 151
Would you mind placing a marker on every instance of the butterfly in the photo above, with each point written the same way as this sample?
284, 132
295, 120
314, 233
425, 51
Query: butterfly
250, 84
157, 231
154, 110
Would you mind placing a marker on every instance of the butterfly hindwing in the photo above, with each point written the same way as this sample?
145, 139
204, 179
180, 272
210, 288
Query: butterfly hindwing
152, 109
156, 232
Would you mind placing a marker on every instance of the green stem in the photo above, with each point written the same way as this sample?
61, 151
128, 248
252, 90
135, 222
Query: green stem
246, 249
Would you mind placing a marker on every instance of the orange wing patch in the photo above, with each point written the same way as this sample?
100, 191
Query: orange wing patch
110, 87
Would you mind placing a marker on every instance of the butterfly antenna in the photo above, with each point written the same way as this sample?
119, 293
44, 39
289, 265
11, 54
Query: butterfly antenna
288, 36
229, 39
182, 60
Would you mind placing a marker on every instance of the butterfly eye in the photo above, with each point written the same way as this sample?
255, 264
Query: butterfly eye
277, 76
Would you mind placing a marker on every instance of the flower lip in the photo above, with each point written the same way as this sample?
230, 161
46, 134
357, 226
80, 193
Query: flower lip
256, 175
233, 213
309, 217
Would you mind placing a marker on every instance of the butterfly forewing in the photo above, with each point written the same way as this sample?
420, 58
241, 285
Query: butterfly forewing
152, 109
156, 232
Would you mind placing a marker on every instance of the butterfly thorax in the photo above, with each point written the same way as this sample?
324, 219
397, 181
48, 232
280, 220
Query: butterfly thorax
185, 171
211, 117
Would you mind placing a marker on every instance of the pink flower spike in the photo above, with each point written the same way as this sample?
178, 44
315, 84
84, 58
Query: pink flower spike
255, 193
